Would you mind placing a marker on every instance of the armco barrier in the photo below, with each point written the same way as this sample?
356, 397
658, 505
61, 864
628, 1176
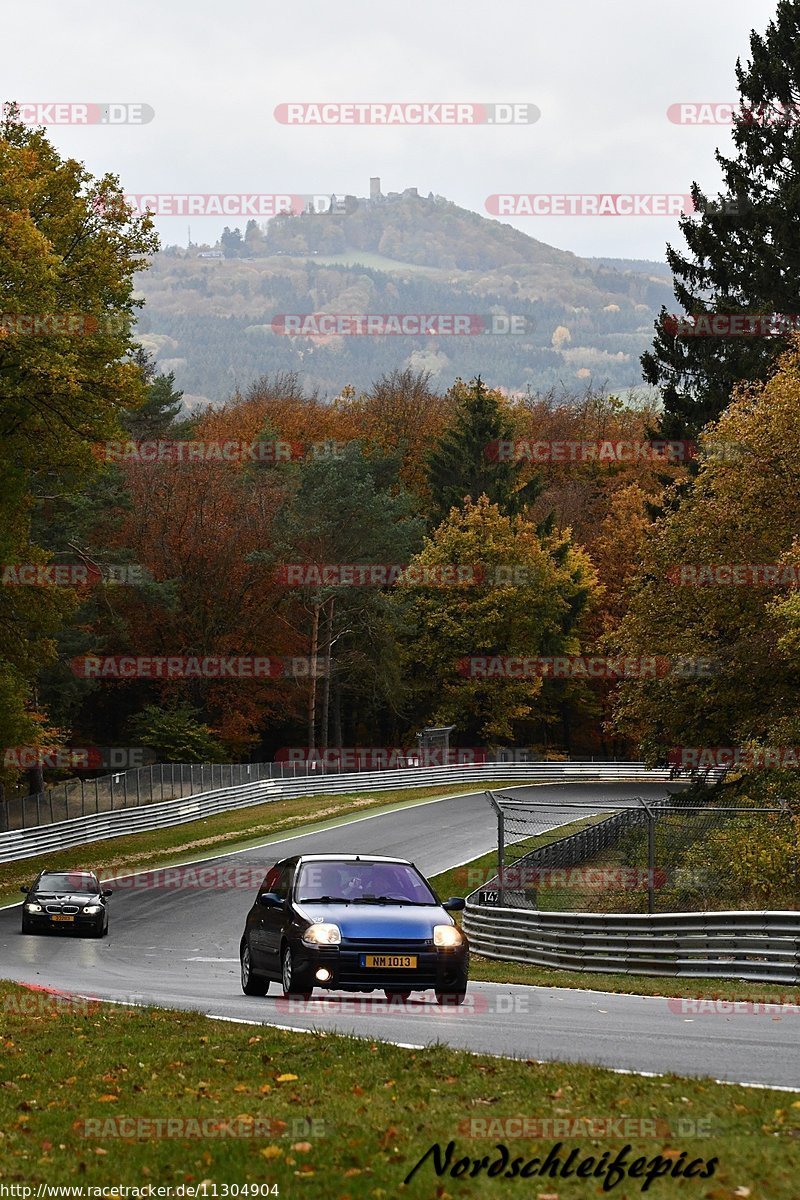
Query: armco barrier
761, 946
61, 835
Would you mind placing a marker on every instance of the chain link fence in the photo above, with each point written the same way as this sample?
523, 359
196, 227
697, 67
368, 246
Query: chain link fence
686, 853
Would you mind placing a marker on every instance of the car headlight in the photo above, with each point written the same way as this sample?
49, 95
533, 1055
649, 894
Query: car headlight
31, 907
91, 909
447, 936
323, 934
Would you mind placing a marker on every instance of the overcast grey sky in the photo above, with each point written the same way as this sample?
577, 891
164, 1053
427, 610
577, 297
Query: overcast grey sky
603, 73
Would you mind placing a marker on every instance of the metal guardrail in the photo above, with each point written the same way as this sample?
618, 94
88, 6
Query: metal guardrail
134, 787
760, 946
61, 835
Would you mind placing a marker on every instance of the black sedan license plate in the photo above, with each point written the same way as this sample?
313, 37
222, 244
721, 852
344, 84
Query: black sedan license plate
59, 917
389, 960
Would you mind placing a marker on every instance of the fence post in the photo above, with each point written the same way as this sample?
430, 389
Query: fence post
651, 861
124, 789
501, 848
501, 855
138, 800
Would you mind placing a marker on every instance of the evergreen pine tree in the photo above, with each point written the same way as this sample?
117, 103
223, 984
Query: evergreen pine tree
467, 462
743, 249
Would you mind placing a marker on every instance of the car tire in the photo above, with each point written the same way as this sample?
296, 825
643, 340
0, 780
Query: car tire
398, 994
26, 927
252, 985
450, 999
291, 985
98, 931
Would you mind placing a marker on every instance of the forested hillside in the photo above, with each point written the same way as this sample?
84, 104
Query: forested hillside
211, 321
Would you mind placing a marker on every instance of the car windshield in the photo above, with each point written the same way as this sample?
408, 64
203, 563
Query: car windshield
74, 881
362, 883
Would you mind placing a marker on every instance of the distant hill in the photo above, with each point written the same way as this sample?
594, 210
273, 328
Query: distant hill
212, 320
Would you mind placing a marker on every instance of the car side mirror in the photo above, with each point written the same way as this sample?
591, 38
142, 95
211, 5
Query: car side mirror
105, 895
270, 900
24, 890
454, 904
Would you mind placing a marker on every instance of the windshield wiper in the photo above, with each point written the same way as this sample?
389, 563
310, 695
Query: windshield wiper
388, 900
323, 900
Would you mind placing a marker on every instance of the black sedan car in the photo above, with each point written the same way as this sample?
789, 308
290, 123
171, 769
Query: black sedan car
355, 923
65, 901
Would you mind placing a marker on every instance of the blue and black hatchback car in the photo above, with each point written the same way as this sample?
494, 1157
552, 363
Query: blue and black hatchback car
353, 923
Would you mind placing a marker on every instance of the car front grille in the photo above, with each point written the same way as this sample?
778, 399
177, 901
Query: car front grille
66, 909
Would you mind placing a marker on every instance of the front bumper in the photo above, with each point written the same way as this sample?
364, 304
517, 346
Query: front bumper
440, 970
44, 922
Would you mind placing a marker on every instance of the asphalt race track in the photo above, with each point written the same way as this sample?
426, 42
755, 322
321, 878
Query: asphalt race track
178, 948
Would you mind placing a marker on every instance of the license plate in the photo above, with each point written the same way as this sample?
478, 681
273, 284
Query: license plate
58, 917
405, 961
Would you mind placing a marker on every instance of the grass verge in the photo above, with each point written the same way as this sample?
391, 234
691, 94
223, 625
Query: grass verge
219, 834
86, 1095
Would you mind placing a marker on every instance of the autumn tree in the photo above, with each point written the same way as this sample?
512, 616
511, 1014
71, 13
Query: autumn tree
743, 509
526, 600
345, 509
69, 249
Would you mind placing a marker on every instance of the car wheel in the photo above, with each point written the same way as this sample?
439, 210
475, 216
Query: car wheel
252, 985
27, 927
291, 985
450, 999
396, 995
